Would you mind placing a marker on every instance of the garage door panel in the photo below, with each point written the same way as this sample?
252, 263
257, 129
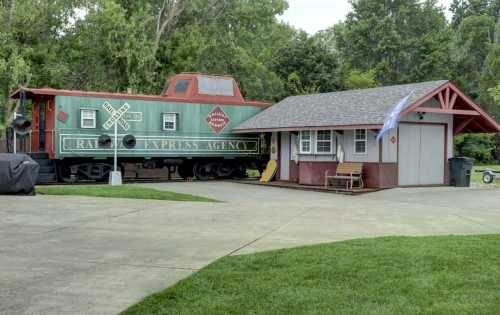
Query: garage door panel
432, 155
421, 154
408, 154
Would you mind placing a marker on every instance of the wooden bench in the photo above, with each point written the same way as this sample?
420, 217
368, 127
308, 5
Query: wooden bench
350, 172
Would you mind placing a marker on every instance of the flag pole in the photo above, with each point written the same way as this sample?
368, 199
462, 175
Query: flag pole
115, 162
392, 119
115, 178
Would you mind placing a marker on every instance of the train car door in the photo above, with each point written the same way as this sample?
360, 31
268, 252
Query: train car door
41, 126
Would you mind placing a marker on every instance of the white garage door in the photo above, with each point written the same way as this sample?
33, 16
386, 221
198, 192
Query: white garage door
421, 154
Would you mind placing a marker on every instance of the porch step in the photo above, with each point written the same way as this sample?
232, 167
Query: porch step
46, 178
44, 162
39, 155
47, 171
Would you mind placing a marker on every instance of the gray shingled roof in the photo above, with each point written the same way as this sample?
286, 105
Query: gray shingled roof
355, 107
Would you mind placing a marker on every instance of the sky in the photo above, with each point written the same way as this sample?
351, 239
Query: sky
316, 15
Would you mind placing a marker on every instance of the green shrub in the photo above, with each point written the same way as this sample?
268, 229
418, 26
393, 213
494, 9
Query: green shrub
481, 147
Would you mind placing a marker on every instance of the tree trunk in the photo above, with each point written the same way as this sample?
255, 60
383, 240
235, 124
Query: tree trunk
168, 16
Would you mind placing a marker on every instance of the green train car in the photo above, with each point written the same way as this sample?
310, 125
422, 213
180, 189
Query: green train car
188, 129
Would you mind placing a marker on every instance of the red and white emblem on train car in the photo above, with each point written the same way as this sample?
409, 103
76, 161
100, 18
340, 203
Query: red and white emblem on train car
217, 120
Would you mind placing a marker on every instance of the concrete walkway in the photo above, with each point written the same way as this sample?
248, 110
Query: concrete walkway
98, 256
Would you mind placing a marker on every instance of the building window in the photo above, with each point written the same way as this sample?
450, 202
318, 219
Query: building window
170, 121
360, 141
324, 141
305, 141
88, 118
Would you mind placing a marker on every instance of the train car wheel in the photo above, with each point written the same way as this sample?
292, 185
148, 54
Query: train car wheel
239, 172
203, 171
64, 174
95, 171
225, 170
102, 172
185, 170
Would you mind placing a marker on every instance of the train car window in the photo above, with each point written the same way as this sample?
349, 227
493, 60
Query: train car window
170, 121
181, 86
88, 118
215, 86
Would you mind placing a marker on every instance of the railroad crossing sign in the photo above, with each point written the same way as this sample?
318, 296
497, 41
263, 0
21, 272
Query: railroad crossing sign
116, 116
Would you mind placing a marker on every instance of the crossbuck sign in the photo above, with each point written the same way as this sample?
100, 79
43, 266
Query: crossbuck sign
116, 116
115, 119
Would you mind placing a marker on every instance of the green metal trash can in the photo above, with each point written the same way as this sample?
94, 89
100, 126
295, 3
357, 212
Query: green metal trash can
460, 171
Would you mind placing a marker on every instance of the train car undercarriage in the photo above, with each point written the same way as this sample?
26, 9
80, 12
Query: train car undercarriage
78, 170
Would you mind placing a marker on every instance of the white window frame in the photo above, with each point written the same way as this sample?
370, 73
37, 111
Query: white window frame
318, 141
365, 140
310, 140
165, 115
94, 118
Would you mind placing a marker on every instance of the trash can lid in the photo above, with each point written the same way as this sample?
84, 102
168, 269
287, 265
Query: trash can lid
462, 158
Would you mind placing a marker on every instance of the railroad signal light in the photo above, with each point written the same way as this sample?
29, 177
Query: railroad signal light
104, 141
129, 141
21, 125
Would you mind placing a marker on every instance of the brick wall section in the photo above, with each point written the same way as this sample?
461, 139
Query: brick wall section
375, 175
388, 175
313, 173
294, 172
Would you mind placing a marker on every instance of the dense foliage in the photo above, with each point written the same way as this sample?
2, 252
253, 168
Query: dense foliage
115, 45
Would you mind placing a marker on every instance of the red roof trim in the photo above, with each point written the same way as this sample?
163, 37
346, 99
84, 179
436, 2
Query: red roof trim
476, 107
481, 113
202, 100
423, 99
337, 127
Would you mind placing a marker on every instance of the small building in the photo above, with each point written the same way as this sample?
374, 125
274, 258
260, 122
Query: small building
308, 131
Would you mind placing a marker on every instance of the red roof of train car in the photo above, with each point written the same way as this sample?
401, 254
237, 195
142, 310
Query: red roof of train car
191, 94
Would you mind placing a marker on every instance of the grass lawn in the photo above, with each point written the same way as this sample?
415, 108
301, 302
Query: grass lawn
125, 191
393, 275
477, 178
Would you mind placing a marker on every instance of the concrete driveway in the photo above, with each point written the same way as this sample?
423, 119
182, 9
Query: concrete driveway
98, 256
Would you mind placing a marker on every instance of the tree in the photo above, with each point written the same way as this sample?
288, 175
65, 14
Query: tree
462, 9
490, 76
30, 45
477, 67
402, 41
307, 66
360, 80
495, 94
168, 14
294, 86
471, 47
239, 40
118, 47
481, 147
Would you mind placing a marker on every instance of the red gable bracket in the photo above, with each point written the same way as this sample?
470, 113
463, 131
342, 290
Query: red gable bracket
468, 116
